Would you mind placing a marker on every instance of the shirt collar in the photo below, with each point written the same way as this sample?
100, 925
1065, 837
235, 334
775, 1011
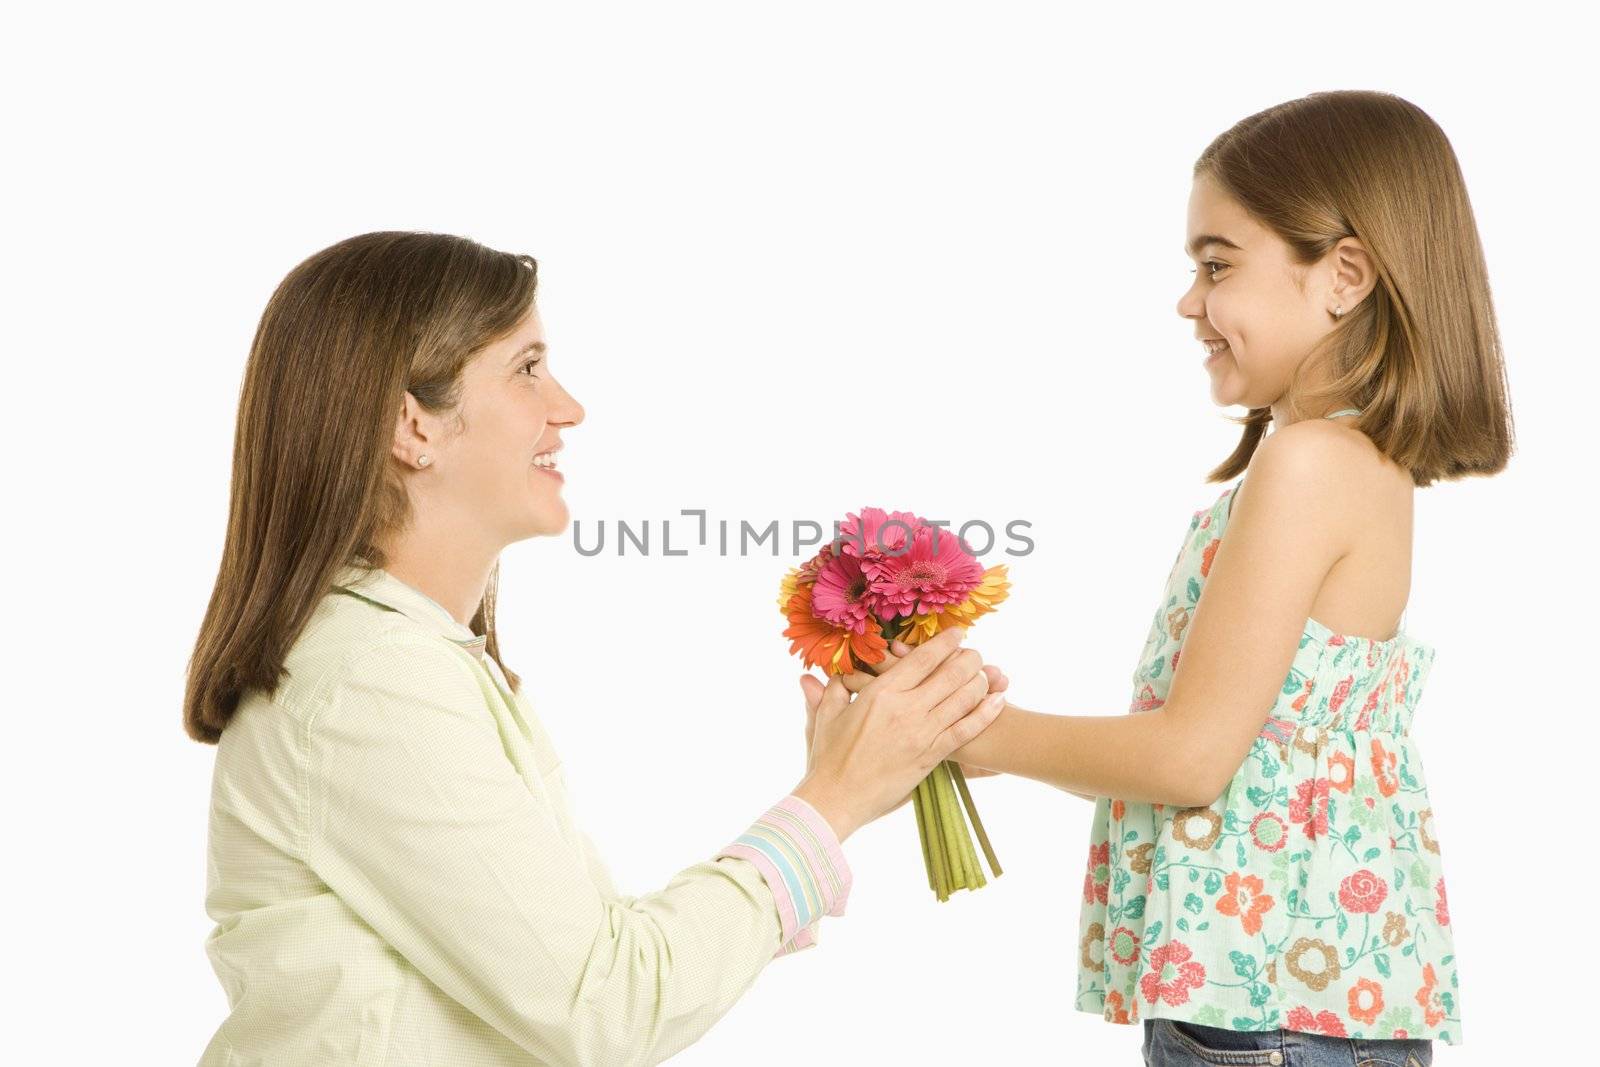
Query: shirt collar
382, 588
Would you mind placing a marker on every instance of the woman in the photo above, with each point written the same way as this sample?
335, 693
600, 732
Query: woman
394, 870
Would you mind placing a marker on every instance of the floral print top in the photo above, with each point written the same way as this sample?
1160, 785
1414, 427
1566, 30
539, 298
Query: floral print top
1309, 895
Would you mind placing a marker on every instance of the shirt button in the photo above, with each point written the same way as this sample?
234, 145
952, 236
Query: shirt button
1275, 1059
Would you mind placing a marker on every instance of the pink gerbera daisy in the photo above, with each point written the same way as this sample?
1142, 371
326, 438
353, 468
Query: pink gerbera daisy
876, 535
928, 577
842, 596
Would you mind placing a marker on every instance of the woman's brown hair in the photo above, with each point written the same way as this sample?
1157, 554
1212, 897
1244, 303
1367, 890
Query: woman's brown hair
1420, 356
315, 488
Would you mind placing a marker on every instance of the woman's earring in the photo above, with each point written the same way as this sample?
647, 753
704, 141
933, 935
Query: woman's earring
1338, 311
422, 461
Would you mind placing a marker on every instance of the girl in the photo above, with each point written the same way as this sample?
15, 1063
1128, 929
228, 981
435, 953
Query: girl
1264, 882
393, 867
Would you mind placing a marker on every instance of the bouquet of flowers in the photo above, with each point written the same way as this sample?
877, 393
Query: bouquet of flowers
892, 576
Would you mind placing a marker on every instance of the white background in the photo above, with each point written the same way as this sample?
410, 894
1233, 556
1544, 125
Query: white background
794, 260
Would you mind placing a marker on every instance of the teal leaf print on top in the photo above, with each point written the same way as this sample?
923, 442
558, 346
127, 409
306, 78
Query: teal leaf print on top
1311, 894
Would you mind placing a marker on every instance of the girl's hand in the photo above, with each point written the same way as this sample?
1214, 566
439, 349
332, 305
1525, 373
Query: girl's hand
856, 681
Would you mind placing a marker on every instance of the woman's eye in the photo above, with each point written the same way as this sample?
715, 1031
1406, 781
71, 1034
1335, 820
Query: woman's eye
528, 366
1211, 263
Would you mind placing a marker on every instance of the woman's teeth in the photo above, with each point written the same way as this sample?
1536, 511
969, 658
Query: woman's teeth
546, 460
1213, 347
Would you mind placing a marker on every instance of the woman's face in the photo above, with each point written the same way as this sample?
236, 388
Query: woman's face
484, 482
1245, 293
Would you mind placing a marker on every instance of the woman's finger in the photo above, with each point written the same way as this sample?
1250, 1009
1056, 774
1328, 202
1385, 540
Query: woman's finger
925, 659
813, 690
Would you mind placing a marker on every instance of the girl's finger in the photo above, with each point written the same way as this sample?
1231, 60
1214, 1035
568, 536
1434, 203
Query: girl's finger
997, 678
834, 697
856, 681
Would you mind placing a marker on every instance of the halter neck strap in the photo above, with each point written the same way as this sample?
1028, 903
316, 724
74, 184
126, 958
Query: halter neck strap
1346, 411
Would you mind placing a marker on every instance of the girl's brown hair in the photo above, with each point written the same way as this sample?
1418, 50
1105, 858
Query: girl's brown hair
315, 488
1421, 355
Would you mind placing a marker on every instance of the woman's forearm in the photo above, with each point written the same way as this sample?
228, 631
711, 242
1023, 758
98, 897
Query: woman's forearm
1147, 756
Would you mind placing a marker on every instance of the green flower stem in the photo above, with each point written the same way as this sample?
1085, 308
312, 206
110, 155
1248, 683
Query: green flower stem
946, 867
974, 866
932, 839
949, 814
920, 803
922, 834
975, 878
972, 813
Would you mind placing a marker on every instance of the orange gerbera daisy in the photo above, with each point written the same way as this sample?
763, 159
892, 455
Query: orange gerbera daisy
836, 649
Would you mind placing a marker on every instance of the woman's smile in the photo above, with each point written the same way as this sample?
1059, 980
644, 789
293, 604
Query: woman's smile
545, 462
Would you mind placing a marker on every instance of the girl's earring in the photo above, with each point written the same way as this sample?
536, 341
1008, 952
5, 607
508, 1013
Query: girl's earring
422, 461
1338, 311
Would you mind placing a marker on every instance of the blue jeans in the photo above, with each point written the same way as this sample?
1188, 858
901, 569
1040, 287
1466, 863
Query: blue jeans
1173, 1044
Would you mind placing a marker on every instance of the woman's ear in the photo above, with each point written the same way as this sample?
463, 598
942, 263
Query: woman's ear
411, 445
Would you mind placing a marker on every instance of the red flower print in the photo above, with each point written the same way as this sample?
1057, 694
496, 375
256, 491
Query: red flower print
1441, 907
1268, 832
1300, 701
1340, 692
1341, 771
1383, 766
1172, 974
1364, 720
1207, 556
1432, 1007
1323, 1022
1310, 806
1118, 809
1365, 1001
1362, 892
1174, 665
1145, 701
1124, 946
1114, 1011
1242, 899
1098, 877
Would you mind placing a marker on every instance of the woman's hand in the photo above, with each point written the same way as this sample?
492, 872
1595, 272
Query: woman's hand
869, 753
857, 681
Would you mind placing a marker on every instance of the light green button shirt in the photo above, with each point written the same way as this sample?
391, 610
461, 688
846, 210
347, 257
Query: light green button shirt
396, 877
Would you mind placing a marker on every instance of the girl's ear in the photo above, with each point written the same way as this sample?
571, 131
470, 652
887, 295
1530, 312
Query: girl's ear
1353, 274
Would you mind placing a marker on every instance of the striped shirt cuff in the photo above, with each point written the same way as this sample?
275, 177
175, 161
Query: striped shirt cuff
804, 939
799, 856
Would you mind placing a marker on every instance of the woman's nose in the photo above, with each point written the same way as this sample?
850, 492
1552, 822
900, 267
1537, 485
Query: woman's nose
567, 410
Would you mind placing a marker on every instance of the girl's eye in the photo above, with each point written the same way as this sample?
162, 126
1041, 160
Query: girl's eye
528, 366
1211, 263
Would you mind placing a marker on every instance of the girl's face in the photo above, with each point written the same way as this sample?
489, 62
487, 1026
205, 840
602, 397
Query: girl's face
483, 482
1247, 294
